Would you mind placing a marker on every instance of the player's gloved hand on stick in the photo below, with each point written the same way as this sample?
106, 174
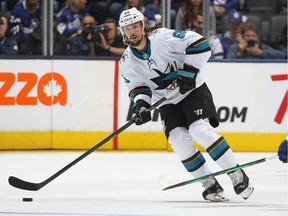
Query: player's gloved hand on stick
186, 78
282, 151
143, 114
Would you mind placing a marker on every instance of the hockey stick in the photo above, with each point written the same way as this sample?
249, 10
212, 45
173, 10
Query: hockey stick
165, 187
25, 185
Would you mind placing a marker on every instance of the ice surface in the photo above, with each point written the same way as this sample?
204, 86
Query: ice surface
127, 183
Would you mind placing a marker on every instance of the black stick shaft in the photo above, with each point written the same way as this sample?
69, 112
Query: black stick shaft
21, 184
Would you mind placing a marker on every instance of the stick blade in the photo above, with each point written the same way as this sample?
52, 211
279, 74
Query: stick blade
24, 185
163, 181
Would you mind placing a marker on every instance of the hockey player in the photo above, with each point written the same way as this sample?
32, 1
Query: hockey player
156, 63
282, 150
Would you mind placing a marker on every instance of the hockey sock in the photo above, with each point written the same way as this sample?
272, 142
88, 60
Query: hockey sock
196, 165
221, 153
191, 157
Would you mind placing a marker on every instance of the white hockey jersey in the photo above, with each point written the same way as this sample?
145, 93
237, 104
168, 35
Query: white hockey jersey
154, 73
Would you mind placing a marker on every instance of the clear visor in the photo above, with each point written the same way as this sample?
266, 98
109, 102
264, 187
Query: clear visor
131, 28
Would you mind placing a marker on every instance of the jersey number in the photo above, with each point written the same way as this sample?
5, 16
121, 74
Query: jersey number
179, 34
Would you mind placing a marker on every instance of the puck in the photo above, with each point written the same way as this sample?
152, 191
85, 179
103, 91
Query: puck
27, 199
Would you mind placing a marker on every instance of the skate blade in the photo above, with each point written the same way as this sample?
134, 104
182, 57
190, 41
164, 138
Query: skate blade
247, 192
217, 197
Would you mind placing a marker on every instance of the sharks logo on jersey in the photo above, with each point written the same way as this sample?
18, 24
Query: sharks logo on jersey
165, 78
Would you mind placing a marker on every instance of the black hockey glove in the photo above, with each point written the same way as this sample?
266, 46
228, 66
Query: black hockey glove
142, 114
282, 151
186, 78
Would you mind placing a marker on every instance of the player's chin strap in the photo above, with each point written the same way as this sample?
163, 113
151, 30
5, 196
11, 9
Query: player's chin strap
25, 185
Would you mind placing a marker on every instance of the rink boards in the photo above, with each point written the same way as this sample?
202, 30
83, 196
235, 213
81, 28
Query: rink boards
74, 104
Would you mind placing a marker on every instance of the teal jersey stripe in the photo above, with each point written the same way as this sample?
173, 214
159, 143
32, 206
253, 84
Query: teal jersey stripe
140, 91
171, 75
186, 74
202, 47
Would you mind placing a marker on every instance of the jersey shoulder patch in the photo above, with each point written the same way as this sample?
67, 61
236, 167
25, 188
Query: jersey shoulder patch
125, 56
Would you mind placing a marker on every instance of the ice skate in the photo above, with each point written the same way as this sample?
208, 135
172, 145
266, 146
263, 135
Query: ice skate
213, 191
241, 184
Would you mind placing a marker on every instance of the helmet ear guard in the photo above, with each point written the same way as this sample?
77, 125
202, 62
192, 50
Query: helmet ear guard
125, 40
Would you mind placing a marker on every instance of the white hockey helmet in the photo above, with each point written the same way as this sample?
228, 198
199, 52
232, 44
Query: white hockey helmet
130, 16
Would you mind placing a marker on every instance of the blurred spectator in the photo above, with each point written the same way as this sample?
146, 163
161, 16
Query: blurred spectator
150, 20
115, 9
155, 7
6, 6
222, 7
70, 17
34, 42
8, 46
149, 16
83, 44
187, 15
241, 5
27, 13
214, 41
282, 6
111, 43
24, 19
282, 41
98, 40
58, 5
98, 9
249, 46
235, 23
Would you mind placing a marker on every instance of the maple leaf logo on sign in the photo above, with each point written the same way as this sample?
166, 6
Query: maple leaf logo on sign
52, 88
